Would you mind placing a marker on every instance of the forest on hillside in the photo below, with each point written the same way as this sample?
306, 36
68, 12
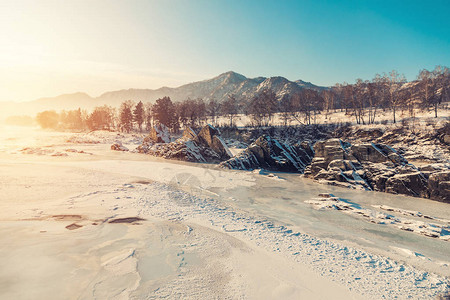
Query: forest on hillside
361, 101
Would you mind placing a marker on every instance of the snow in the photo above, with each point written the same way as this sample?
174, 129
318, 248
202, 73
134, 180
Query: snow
206, 232
434, 230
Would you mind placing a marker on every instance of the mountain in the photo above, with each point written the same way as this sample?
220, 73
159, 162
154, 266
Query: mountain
64, 101
215, 88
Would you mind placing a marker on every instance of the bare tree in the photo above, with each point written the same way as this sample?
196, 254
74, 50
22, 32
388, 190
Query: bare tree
200, 111
395, 82
213, 110
285, 108
296, 107
306, 103
338, 95
262, 107
230, 108
359, 94
328, 97
378, 95
434, 87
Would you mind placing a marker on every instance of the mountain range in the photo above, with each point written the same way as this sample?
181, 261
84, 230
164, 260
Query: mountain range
217, 88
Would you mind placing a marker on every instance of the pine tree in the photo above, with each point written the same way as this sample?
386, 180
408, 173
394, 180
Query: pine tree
164, 112
126, 116
139, 114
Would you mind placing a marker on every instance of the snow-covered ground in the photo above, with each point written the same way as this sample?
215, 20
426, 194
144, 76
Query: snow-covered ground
96, 223
338, 116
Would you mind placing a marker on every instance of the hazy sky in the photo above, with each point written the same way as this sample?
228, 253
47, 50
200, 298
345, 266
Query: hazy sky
53, 47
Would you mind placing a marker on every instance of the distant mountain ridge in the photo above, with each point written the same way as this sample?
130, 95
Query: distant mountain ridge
217, 88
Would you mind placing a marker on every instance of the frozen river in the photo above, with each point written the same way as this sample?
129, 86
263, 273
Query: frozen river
206, 232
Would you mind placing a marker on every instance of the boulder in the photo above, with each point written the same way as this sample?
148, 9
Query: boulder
439, 186
305, 145
270, 154
189, 133
220, 147
317, 164
345, 165
209, 136
376, 153
331, 149
446, 139
433, 168
411, 184
158, 134
206, 134
368, 133
118, 147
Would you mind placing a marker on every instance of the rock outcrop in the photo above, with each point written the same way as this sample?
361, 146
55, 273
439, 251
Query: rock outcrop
411, 184
206, 146
209, 136
270, 154
439, 186
371, 166
159, 134
415, 142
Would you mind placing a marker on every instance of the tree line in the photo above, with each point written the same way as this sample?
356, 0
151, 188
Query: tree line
361, 100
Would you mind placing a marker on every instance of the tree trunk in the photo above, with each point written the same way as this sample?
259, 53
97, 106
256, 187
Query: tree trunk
393, 109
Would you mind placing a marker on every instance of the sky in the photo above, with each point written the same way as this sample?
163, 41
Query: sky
49, 48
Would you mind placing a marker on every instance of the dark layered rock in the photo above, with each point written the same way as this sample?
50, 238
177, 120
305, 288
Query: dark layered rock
209, 136
325, 152
369, 133
367, 165
331, 149
376, 153
207, 146
378, 167
443, 134
439, 186
270, 154
411, 184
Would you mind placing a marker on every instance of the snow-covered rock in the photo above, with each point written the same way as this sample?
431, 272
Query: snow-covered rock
372, 166
207, 146
210, 136
118, 147
159, 134
270, 154
439, 229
